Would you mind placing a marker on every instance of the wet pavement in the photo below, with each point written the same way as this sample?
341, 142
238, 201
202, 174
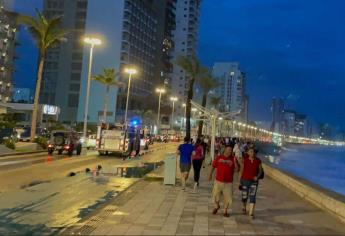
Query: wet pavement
150, 208
48, 201
46, 207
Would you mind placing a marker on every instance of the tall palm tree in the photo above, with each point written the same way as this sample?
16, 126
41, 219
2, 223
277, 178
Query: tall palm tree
109, 78
193, 69
46, 33
206, 83
215, 101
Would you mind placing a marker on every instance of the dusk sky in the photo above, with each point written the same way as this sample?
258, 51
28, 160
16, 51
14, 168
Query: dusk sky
293, 49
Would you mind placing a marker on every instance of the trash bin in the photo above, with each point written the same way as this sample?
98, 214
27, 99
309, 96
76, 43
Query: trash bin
170, 169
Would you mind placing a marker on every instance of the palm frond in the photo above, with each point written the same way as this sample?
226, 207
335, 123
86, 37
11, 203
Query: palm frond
109, 77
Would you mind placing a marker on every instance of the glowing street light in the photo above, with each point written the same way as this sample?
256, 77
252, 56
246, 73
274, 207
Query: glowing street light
130, 71
160, 91
92, 42
173, 99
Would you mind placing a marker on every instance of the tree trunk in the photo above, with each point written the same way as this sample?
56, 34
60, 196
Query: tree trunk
201, 122
37, 97
106, 98
188, 107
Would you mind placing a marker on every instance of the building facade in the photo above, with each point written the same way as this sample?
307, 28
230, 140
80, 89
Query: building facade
63, 63
23, 95
277, 115
231, 89
8, 29
133, 33
185, 44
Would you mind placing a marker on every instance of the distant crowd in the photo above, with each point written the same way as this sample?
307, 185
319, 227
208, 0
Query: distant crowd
231, 155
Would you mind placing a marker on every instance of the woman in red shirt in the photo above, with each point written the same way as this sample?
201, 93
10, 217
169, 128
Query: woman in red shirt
250, 171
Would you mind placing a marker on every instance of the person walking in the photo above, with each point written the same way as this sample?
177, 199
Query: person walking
197, 160
225, 166
250, 173
185, 152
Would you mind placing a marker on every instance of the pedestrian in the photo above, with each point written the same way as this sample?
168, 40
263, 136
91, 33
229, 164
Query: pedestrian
237, 151
197, 160
225, 166
250, 173
185, 152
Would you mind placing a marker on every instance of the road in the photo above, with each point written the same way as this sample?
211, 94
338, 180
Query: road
38, 195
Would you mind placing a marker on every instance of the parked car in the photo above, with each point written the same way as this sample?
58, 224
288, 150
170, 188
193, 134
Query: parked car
24, 134
64, 141
8, 133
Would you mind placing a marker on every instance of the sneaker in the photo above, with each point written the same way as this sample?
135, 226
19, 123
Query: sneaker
196, 187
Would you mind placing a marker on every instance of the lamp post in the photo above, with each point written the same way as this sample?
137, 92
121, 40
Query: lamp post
130, 71
92, 42
194, 110
184, 115
173, 99
160, 91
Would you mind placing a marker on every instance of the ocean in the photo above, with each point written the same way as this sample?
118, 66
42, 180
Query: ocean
321, 165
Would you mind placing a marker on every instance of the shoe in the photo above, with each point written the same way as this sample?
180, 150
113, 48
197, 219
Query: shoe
215, 210
196, 187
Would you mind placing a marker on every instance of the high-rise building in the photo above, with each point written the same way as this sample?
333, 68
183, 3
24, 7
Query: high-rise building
23, 95
185, 44
8, 28
63, 63
134, 32
277, 115
288, 121
231, 89
301, 125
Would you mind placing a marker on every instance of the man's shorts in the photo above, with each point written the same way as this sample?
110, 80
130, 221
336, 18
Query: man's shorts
225, 189
185, 167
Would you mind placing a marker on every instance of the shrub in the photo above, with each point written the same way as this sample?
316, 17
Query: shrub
42, 142
9, 143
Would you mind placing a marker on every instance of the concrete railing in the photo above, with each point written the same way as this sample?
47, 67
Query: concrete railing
326, 200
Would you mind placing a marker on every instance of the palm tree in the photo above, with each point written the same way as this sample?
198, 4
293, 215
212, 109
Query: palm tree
46, 33
215, 101
206, 83
109, 78
193, 69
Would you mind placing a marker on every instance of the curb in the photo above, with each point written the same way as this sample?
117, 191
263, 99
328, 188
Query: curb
321, 198
21, 153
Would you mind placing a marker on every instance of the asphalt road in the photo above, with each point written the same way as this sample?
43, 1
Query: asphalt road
37, 195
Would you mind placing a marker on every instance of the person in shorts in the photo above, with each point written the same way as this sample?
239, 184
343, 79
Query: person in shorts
225, 166
185, 152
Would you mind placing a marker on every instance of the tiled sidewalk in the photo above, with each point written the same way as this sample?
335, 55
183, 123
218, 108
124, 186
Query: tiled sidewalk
150, 208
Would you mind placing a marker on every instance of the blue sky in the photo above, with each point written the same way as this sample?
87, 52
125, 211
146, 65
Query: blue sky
288, 48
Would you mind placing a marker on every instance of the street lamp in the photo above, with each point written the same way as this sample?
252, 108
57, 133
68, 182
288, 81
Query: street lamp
160, 91
130, 71
173, 99
92, 42
184, 115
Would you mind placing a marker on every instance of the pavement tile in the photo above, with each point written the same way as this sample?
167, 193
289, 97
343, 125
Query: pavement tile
160, 210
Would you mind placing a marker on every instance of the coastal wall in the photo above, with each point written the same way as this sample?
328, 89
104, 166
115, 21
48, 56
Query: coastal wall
328, 201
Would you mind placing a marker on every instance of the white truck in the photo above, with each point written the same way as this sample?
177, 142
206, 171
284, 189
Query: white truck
111, 141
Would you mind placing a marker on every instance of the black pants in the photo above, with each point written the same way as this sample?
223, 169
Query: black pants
197, 163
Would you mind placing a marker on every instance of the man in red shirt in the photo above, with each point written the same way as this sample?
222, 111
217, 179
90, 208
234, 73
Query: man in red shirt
225, 164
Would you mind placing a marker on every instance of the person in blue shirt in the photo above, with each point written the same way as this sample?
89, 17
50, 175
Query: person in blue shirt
185, 151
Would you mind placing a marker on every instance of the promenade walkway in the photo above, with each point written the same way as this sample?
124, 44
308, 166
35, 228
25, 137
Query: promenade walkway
150, 208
